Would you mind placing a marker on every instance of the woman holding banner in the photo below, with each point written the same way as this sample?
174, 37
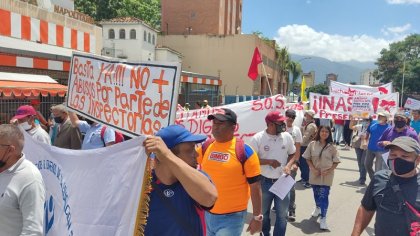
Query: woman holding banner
322, 158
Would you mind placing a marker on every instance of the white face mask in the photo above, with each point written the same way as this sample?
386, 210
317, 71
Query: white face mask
25, 125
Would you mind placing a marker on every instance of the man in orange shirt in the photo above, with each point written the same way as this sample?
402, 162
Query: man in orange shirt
236, 176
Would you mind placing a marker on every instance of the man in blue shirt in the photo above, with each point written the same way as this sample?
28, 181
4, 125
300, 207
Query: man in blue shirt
373, 133
92, 130
180, 192
415, 123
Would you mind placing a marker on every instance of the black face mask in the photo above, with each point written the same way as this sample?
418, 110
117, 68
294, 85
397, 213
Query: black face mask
58, 119
280, 128
401, 166
400, 123
90, 122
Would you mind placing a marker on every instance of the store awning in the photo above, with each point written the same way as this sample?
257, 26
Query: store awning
30, 85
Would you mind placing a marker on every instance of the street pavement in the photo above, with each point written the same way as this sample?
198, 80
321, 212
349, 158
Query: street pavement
344, 200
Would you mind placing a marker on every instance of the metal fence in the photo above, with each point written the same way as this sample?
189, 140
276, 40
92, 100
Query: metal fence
8, 106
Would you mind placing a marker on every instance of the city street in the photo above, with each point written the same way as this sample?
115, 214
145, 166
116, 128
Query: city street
345, 197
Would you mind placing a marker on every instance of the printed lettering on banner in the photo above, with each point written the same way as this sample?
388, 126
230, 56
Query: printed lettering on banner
341, 106
135, 98
338, 88
251, 115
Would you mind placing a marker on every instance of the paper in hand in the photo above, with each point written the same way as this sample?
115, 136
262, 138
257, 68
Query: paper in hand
282, 186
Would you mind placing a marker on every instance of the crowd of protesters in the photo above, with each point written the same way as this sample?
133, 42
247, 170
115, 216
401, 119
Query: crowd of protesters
229, 172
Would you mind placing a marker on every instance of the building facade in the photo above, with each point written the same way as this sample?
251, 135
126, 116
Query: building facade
330, 77
309, 79
366, 78
228, 57
187, 17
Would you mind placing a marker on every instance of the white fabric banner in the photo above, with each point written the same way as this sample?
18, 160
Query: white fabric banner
251, 116
90, 192
338, 88
340, 106
412, 104
135, 98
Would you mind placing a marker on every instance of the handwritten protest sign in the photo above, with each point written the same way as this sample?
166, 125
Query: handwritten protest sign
251, 115
341, 106
362, 106
338, 88
135, 98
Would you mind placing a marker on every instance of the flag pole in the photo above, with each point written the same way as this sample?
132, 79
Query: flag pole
266, 77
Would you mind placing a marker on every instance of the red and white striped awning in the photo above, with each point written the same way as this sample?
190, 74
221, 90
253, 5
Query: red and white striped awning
33, 63
200, 80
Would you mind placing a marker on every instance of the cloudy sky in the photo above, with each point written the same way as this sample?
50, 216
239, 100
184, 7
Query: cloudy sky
339, 30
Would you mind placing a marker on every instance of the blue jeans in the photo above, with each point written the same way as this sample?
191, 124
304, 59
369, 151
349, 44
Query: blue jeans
281, 206
321, 193
230, 224
361, 155
303, 166
338, 133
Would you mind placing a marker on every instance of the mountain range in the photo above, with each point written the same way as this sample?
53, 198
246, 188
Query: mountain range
349, 71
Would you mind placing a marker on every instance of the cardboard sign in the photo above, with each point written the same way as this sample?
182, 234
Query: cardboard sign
135, 98
338, 88
341, 106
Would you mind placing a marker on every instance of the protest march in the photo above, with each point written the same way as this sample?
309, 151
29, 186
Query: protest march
166, 118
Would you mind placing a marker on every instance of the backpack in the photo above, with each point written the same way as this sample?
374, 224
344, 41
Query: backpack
239, 150
119, 137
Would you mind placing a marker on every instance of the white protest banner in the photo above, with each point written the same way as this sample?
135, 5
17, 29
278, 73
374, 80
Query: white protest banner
251, 116
362, 106
338, 88
412, 104
135, 98
92, 192
340, 106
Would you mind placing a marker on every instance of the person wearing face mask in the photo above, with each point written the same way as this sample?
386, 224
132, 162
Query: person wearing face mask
275, 148
374, 151
67, 136
400, 129
309, 130
25, 118
92, 130
394, 194
22, 190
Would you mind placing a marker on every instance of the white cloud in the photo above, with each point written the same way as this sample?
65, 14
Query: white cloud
303, 40
399, 29
403, 1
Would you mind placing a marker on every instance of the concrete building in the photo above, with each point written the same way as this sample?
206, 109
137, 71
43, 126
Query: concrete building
366, 78
228, 57
129, 38
309, 79
330, 77
194, 17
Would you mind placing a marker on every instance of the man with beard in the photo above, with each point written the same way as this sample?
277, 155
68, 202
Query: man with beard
394, 194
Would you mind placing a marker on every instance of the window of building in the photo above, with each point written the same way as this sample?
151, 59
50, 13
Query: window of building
145, 36
122, 33
153, 39
111, 34
149, 38
133, 34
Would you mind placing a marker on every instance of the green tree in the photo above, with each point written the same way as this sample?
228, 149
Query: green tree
319, 88
146, 10
283, 60
296, 70
402, 57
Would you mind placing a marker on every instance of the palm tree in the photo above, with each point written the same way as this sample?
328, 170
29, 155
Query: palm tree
283, 60
296, 70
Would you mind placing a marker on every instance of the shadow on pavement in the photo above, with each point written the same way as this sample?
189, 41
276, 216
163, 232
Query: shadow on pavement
348, 158
347, 169
308, 226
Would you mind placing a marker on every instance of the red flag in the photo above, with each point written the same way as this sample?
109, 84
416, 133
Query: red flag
253, 68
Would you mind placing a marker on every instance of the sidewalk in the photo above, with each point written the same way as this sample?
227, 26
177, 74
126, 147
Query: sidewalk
345, 197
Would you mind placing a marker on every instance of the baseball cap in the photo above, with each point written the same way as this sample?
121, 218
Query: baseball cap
291, 113
224, 114
175, 134
274, 116
24, 111
400, 114
383, 113
406, 143
310, 112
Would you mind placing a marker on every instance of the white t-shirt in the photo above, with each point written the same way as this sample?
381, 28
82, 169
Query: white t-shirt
22, 196
296, 133
273, 147
40, 135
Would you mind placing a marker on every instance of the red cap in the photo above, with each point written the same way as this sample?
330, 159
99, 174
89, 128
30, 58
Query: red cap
24, 111
275, 116
35, 102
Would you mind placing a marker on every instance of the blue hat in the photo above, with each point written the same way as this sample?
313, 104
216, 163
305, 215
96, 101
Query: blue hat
176, 134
